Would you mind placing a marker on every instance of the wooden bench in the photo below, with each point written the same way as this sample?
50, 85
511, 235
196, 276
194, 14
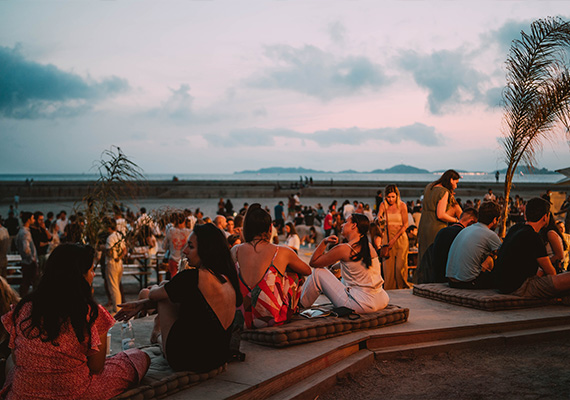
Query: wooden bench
140, 273
14, 274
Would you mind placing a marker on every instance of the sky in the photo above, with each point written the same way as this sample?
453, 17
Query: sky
222, 86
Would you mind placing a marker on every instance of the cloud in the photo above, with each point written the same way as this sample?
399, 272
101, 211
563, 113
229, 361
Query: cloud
179, 104
311, 71
337, 32
179, 108
254, 137
447, 76
29, 90
504, 36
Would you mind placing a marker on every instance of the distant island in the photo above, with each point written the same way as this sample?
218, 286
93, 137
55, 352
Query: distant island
396, 169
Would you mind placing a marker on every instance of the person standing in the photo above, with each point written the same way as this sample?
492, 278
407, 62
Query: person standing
116, 249
12, 225
395, 214
41, 238
174, 241
279, 216
61, 222
27, 250
4, 248
438, 209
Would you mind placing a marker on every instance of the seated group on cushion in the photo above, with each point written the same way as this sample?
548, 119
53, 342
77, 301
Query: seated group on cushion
475, 257
58, 333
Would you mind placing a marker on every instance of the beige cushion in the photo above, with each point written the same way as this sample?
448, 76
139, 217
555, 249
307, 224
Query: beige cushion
161, 380
303, 330
483, 299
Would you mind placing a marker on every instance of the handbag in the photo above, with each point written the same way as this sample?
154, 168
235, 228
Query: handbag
385, 250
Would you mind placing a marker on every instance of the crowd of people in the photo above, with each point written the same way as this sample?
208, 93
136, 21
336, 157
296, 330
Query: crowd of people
231, 271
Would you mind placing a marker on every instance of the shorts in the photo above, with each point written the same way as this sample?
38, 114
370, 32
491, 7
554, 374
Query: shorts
538, 287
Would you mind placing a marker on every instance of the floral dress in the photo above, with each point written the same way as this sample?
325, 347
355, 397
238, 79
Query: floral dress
59, 371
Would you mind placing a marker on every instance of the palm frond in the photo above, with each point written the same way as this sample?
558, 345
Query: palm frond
537, 96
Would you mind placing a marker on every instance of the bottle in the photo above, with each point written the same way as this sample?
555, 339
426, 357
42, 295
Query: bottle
108, 343
127, 336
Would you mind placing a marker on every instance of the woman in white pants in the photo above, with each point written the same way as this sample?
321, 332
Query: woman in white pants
361, 287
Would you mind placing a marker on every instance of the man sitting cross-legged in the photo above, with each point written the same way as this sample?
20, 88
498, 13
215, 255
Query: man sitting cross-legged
523, 267
471, 254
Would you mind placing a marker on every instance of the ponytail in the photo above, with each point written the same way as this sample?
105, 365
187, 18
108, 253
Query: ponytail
363, 225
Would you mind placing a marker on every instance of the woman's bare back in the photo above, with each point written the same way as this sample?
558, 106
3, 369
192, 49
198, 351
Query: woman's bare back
221, 297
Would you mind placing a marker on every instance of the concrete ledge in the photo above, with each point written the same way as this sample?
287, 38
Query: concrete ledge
306, 370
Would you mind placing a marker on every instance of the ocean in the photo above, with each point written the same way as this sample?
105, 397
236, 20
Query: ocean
293, 177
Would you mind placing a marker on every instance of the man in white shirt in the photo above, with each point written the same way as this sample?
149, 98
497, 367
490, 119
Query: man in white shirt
61, 223
347, 210
490, 196
116, 249
27, 250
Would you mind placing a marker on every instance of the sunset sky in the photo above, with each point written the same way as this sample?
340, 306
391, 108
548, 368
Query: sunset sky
222, 86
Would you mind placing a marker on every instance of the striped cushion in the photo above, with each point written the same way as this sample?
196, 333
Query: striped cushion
483, 299
303, 330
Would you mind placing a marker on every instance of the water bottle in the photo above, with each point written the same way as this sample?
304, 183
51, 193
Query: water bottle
127, 336
108, 344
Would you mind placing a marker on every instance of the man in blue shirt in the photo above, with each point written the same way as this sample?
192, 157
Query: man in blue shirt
471, 256
279, 217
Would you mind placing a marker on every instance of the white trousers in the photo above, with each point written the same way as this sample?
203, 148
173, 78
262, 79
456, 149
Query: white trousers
114, 274
322, 281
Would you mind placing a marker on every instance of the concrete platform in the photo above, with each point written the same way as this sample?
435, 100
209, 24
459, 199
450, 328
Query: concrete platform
306, 370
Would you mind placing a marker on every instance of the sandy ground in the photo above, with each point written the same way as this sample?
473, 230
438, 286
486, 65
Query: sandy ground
524, 371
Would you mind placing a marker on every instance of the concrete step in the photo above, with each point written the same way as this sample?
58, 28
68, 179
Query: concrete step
325, 378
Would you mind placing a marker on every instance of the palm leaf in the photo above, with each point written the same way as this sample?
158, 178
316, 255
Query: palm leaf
537, 96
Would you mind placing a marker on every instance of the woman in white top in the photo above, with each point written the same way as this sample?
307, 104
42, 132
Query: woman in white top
292, 239
361, 287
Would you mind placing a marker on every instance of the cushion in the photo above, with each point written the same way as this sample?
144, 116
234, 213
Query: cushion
483, 299
303, 330
161, 380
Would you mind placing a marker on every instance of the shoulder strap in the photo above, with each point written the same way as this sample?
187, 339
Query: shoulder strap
275, 254
387, 230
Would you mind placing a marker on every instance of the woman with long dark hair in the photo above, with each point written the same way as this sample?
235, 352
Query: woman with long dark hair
394, 213
58, 334
197, 306
439, 208
270, 275
292, 239
361, 289
555, 243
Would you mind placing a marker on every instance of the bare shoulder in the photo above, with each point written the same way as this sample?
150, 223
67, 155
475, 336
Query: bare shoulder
373, 253
344, 251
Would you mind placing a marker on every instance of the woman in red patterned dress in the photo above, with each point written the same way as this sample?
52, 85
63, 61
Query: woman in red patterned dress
58, 336
270, 276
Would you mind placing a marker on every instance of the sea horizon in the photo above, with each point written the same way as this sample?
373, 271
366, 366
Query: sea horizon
293, 177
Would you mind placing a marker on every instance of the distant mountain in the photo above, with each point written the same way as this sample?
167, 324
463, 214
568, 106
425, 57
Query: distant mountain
401, 169
396, 169
281, 170
527, 170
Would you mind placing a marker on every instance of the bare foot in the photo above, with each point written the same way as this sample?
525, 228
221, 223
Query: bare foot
154, 335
